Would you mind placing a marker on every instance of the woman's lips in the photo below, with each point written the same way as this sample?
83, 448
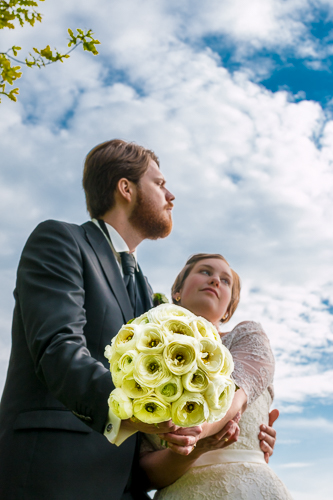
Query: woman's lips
212, 290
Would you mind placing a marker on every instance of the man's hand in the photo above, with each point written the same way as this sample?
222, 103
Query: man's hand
267, 435
161, 428
185, 440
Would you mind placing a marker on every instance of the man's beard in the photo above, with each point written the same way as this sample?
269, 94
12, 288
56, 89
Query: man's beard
147, 220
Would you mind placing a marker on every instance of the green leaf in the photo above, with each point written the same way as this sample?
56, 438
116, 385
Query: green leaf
159, 298
24, 11
12, 94
15, 50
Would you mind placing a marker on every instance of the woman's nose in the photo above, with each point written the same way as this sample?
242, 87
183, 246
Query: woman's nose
215, 280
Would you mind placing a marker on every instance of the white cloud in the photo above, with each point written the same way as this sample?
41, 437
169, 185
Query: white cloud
288, 442
252, 170
295, 465
304, 424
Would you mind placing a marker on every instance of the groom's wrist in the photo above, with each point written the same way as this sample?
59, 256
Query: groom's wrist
112, 427
116, 430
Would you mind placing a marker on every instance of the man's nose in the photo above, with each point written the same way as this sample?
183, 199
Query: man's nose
169, 196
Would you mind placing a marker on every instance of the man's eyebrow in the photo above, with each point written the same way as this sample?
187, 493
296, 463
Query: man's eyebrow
160, 179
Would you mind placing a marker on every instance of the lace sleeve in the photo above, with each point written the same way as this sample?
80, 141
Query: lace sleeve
253, 358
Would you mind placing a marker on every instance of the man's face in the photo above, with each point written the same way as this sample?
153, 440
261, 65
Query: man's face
151, 213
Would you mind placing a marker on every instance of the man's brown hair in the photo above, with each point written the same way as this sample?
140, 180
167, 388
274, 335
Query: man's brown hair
105, 165
236, 285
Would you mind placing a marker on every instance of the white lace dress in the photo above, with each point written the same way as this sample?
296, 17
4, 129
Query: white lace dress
239, 472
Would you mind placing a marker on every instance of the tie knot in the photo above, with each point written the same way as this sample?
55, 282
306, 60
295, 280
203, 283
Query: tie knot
128, 263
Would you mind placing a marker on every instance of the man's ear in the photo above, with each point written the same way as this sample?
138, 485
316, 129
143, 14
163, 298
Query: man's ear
125, 189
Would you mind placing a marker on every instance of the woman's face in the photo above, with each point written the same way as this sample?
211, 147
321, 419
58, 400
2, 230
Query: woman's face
207, 289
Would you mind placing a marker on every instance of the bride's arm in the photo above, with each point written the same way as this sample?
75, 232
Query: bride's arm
254, 370
164, 467
253, 358
253, 373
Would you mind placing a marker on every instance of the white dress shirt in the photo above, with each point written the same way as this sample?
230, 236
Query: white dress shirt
113, 431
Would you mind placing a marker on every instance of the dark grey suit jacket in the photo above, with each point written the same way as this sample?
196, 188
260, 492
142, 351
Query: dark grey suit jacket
70, 301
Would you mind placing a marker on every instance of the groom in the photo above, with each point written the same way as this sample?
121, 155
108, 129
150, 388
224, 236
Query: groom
76, 286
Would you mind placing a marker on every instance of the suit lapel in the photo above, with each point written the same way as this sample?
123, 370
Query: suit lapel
146, 289
110, 267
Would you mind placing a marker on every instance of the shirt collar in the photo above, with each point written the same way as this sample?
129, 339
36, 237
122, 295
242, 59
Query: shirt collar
118, 242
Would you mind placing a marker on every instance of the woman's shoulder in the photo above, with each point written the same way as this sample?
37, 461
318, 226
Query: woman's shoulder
245, 328
248, 325
244, 333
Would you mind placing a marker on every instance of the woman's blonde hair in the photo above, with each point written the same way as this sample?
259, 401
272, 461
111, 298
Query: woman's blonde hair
236, 285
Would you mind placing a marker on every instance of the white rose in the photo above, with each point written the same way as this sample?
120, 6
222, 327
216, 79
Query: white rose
151, 410
204, 328
116, 372
168, 311
228, 363
219, 396
181, 353
177, 326
134, 390
170, 391
141, 320
211, 356
189, 410
127, 360
126, 338
120, 404
150, 370
108, 352
195, 381
112, 355
151, 340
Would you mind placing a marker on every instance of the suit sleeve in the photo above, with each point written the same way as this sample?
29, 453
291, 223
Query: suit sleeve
50, 288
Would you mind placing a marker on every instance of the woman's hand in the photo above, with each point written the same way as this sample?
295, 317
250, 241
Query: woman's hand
226, 436
267, 435
185, 440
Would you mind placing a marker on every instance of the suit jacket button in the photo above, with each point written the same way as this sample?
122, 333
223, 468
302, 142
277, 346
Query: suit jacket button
109, 428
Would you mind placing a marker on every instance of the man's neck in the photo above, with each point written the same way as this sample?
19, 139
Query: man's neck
121, 224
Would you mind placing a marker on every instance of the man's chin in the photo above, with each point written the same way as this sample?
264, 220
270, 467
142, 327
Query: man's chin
161, 233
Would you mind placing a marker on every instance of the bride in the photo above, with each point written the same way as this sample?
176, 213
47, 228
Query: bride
208, 287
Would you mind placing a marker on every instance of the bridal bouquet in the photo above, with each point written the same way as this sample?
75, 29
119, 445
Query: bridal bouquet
170, 363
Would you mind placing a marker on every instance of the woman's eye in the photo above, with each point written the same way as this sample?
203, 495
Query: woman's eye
225, 281
204, 271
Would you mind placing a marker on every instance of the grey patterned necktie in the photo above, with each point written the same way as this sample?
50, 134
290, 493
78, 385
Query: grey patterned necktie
129, 265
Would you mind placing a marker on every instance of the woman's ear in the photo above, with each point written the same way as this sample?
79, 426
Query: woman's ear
226, 315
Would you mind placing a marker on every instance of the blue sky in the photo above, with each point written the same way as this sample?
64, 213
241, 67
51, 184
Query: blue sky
236, 100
